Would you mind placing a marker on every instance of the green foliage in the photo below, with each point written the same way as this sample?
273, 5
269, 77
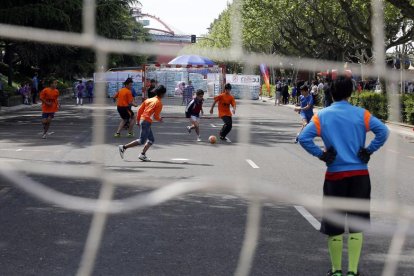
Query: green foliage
328, 29
113, 20
407, 108
376, 103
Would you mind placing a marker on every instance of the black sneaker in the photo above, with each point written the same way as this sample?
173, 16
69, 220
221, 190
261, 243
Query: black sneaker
350, 273
334, 273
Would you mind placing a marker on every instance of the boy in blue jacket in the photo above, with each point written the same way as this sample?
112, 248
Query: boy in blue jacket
343, 129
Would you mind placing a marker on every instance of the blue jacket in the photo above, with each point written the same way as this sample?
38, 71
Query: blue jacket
344, 127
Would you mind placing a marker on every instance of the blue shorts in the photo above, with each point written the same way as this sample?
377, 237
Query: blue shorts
146, 133
48, 115
307, 117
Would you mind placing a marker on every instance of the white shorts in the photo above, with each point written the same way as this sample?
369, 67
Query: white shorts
194, 118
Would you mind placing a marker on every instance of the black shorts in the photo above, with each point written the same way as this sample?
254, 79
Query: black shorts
355, 187
125, 112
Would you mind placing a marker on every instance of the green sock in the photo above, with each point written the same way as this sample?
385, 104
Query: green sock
354, 251
335, 244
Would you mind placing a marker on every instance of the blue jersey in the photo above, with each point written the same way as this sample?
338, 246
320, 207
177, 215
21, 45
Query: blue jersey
304, 102
343, 127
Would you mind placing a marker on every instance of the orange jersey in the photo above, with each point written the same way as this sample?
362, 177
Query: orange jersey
49, 95
149, 108
224, 101
124, 96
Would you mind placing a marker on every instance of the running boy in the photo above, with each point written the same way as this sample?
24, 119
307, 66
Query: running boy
192, 111
306, 107
124, 103
224, 101
150, 108
50, 104
343, 129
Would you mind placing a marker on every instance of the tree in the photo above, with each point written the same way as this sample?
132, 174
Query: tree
328, 29
113, 20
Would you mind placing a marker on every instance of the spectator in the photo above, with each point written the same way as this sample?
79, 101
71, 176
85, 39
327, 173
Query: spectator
80, 89
1, 87
89, 89
314, 92
150, 90
285, 93
35, 88
320, 87
278, 92
294, 94
25, 93
327, 91
188, 93
410, 88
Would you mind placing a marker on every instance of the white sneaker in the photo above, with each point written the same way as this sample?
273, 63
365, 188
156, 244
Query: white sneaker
225, 139
198, 139
44, 136
143, 157
121, 151
189, 129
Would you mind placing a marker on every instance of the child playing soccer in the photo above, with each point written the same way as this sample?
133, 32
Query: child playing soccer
224, 101
124, 102
343, 129
50, 104
193, 110
306, 107
150, 108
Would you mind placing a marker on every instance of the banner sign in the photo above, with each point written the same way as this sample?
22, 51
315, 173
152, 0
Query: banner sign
243, 79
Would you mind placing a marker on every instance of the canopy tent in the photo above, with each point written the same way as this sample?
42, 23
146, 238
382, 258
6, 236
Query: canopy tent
191, 60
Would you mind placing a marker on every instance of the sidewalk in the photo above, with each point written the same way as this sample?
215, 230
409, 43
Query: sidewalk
400, 128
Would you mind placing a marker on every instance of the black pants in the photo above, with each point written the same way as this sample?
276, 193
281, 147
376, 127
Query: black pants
355, 187
228, 124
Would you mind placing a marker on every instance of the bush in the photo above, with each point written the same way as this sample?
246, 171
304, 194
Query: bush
407, 109
376, 103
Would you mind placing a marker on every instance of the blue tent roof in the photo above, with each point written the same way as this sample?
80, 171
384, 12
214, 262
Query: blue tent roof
191, 60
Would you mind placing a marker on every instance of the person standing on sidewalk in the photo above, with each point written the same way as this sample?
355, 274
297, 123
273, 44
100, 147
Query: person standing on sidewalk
35, 88
50, 104
80, 89
343, 129
225, 100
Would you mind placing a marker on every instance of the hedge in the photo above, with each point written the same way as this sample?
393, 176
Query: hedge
377, 104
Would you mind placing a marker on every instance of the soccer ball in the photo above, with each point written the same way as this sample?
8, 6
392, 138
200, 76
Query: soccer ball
212, 139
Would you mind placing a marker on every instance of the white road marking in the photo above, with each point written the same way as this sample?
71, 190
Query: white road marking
251, 163
30, 150
50, 133
308, 216
412, 157
393, 151
213, 125
180, 159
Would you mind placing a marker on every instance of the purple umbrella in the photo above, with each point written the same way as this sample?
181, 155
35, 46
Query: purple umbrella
191, 60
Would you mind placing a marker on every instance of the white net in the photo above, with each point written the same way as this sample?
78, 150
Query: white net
255, 190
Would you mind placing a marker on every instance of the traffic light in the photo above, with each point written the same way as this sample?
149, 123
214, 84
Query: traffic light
193, 38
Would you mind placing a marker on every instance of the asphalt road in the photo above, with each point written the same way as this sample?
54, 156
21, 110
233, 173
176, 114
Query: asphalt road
198, 234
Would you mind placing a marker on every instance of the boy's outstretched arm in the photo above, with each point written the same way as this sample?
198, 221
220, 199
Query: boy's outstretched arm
212, 107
